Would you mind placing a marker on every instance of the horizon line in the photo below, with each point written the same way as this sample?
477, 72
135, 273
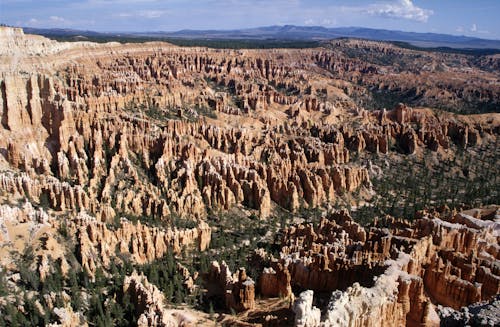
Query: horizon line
246, 28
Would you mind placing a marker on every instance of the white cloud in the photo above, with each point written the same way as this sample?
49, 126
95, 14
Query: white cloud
327, 22
32, 22
57, 19
401, 9
309, 22
123, 15
54, 21
474, 29
152, 13
460, 29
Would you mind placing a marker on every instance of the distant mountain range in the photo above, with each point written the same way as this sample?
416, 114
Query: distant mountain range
292, 32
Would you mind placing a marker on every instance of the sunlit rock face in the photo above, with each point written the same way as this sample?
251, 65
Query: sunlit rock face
396, 274
129, 147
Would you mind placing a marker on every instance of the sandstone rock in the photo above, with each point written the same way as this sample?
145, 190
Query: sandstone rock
306, 315
98, 244
479, 314
401, 271
68, 318
275, 283
149, 302
93, 110
238, 290
98, 132
242, 295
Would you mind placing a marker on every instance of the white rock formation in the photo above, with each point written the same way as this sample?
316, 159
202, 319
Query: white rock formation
306, 315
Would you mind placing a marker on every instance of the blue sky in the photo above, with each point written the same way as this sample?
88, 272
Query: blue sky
461, 17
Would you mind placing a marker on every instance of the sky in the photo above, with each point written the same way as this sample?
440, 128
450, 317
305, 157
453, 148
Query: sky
477, 18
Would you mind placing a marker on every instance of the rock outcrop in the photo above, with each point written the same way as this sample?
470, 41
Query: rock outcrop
98, 245
478, 314
68, 318
119, 144
392, 276
150, 304
275, 282
305, 313
238, 290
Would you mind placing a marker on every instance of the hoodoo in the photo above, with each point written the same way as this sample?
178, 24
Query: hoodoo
156, 185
